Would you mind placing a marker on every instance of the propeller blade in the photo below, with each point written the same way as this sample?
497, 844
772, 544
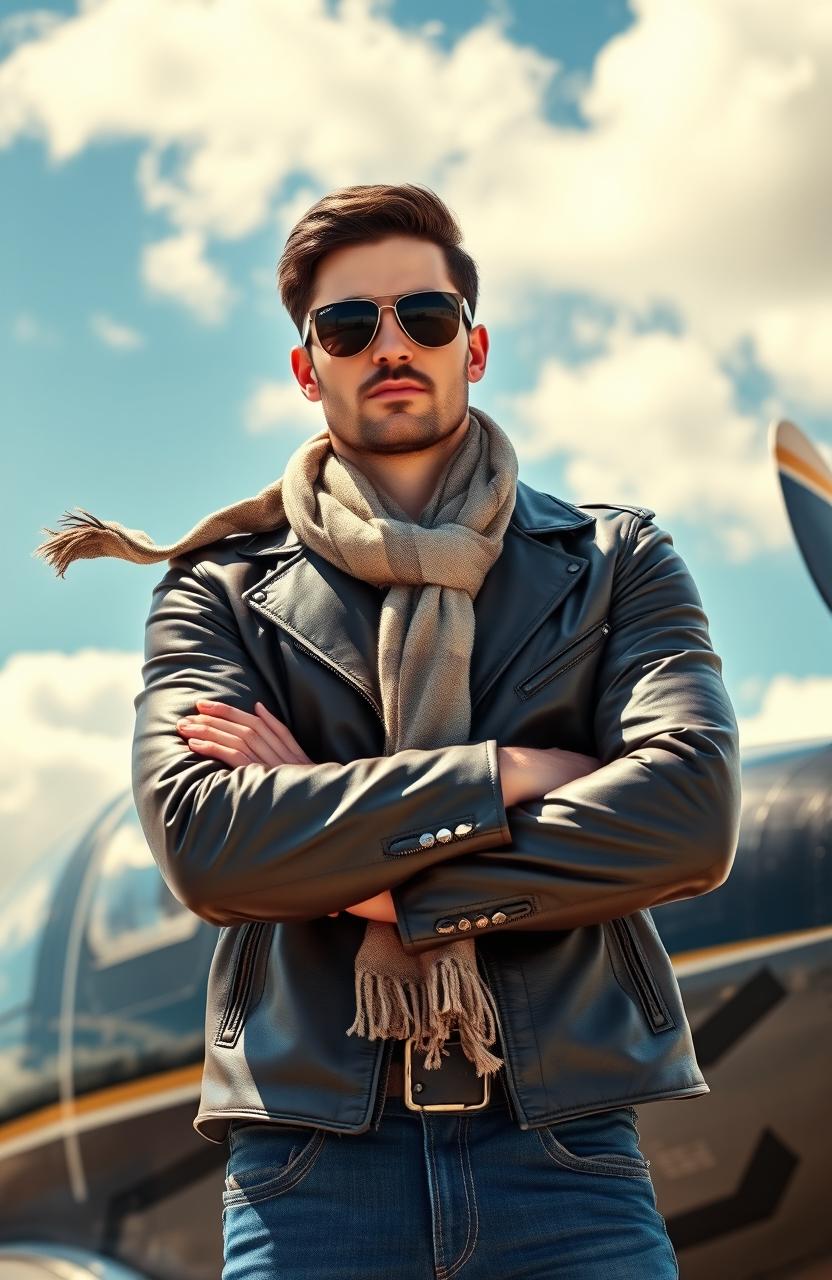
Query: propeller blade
806, 482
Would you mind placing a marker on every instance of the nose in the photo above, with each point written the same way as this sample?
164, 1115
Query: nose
391, 344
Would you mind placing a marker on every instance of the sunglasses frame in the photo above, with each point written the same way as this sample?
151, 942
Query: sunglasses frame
464, 316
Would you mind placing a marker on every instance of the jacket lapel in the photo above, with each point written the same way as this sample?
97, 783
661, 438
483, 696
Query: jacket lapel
336, 616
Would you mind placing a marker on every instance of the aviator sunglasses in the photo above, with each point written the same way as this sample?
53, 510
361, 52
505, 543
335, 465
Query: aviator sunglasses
430, 319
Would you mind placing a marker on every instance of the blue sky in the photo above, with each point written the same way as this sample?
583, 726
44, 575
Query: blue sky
640, 186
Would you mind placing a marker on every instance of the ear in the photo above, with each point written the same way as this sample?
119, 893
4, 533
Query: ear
304, 373
478, 343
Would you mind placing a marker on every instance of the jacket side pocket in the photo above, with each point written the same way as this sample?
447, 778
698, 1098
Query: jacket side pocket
246, 973
659, 1017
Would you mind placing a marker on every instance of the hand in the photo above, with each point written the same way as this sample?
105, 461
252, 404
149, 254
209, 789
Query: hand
237, 737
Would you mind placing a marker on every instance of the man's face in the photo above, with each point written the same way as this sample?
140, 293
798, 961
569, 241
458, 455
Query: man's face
407, 420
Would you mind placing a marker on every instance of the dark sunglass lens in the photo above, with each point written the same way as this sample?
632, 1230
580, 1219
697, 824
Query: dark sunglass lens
430, 318
345, 328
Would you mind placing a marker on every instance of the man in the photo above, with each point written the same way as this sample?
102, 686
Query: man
460, 736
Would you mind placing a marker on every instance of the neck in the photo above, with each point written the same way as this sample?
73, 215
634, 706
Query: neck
408, 478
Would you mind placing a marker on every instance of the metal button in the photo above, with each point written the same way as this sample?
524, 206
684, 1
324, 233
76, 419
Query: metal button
444, 834
481, 922
464, 829
572, 568
464, 923
258, 595
499, 917
445, 928
427, 840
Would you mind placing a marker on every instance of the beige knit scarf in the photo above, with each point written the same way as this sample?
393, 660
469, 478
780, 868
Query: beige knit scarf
433, 568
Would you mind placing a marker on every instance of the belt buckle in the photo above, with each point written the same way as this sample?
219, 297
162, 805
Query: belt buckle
438, 1106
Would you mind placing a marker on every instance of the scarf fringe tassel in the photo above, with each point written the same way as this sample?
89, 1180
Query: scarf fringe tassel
86, 537
397, 1008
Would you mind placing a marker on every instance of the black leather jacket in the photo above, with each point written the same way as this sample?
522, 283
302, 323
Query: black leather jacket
590, 636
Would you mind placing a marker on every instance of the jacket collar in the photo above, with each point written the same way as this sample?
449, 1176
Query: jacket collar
536, 512
336, 616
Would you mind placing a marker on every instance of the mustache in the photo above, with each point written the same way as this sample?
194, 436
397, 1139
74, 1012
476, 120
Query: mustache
389, 377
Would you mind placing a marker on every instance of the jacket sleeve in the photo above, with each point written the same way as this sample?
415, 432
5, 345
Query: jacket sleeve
658, 821
287, 842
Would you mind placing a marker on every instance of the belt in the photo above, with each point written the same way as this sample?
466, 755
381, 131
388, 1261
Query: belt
454, 1086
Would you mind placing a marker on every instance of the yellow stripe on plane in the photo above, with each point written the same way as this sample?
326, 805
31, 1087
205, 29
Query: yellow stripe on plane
98, 1100
800, 469
57, 1113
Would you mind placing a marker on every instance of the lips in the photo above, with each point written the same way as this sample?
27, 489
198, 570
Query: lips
403, 389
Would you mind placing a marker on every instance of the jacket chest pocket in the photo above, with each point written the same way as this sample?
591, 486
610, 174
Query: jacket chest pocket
565, 658
247, 974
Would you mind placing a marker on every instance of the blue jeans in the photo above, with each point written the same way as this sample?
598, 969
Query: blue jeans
431, 1196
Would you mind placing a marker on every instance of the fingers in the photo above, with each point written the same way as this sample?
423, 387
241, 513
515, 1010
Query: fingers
203, 730
229, 755
202, 734
260, 738
242, 723
273, 734
284, 732
242, 730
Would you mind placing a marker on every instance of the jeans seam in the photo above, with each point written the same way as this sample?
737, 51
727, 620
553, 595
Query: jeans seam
279, 1183
438, 1191
469, 1246
563, 1158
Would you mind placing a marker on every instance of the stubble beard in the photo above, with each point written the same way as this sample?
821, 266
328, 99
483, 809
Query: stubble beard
398, 430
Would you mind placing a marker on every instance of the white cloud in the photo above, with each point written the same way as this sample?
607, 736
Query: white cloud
701, 181
279, 404
176, 268
113, 334
702, 177
794, 342
791, 708
651, 421
65, 751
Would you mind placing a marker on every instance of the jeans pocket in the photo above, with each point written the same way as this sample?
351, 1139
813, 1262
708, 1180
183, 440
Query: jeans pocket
606, 1142
268, 1159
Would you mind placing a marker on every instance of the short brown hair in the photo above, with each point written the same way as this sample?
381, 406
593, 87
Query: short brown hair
364, 214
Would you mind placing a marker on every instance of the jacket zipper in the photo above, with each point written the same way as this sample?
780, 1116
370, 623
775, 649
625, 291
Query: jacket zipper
652, 1003
352, 683
553, 667
240, 990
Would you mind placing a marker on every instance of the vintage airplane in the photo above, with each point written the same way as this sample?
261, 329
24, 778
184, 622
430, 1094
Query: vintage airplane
102, 988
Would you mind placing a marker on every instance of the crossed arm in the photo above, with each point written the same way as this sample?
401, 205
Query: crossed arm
236, 738
653, 819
